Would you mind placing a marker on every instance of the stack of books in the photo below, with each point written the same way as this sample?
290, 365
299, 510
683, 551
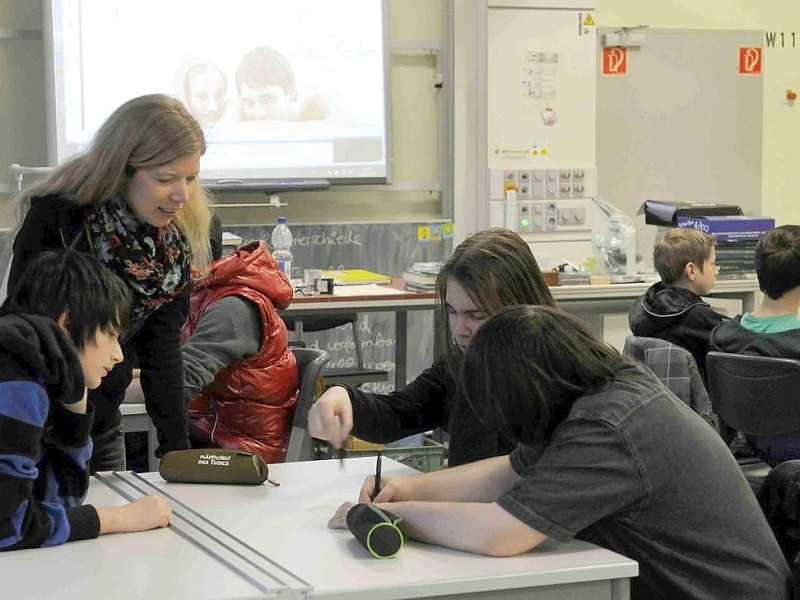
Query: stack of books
736, 239
421, 276
736, 260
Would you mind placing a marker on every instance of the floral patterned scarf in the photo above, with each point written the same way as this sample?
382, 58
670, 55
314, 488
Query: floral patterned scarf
152, 261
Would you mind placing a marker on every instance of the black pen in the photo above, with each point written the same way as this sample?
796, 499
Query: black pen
341, 441
377, 486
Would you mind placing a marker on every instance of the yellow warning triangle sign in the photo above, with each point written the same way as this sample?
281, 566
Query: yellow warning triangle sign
588, 20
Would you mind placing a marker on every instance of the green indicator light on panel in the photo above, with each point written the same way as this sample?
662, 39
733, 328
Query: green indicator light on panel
524, 222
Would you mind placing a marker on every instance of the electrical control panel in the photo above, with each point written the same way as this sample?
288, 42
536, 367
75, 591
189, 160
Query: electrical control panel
547, 200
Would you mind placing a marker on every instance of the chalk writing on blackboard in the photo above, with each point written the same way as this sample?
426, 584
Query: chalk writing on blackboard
342, 238
381, 247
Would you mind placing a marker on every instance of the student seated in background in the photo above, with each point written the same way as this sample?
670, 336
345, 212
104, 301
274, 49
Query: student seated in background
240, 378
487, 271
59, 335
606, 454
773, 328
672, 309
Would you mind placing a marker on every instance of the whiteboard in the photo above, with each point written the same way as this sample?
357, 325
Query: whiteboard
681, 124
540, 88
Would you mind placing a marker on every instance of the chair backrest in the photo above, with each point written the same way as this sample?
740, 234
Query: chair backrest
757, 395
674, 366
320, 322
314, 323
309, 364
346, 375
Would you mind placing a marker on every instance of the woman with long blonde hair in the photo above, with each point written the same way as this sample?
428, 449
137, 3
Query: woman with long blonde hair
134, 200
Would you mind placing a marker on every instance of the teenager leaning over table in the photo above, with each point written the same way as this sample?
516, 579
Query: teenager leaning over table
487, 271
606, 454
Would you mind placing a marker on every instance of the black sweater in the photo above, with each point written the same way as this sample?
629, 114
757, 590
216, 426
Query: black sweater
54, 222
431, 400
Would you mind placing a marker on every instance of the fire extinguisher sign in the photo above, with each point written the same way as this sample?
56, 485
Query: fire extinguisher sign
750, 60
615, 60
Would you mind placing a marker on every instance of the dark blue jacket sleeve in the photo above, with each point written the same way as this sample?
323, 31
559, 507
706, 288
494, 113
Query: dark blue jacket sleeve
44, 456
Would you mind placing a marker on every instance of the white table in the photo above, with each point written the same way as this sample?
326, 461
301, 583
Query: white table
593, 302
181, 561
262, 541
288, 525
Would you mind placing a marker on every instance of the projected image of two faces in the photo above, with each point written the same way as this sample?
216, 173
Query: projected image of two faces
266, 90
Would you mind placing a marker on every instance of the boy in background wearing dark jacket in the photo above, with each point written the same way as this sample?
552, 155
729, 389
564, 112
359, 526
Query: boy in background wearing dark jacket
59, 336
672, 309
773, 328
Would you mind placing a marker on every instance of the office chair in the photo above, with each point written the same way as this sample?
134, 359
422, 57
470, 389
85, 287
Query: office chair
756, 395
675, 367
348, 375
309, 367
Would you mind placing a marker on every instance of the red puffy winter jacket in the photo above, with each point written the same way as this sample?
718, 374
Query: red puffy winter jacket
250, 404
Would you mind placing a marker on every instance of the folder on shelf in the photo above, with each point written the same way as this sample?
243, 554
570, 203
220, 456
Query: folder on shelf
356, 277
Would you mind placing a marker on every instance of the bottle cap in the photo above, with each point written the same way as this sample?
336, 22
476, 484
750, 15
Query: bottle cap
281, 220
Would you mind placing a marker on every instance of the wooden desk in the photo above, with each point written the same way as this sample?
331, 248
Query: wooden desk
589, 302
282, 531
369, 298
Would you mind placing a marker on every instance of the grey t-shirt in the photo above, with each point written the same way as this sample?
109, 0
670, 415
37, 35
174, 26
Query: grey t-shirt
635, 470
229, 331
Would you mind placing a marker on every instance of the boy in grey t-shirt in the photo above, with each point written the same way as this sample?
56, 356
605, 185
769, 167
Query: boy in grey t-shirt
607, 454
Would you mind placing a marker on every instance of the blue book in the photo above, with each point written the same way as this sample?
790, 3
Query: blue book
729, 228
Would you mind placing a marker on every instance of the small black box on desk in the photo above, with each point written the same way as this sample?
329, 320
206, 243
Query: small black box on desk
665, 214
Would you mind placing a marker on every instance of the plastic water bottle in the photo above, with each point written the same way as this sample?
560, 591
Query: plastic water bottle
282, 246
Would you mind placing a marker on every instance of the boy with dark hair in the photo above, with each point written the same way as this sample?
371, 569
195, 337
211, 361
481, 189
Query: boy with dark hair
59, 330
672, 309
773, 328
605, 453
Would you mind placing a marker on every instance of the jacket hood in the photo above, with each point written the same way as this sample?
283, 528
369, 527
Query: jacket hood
660, 306
252, 266
39, 345
731, 337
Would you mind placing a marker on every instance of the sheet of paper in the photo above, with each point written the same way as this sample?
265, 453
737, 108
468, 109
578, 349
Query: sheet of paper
365, 290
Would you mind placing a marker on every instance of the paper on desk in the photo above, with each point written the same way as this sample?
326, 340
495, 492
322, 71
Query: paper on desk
371, 289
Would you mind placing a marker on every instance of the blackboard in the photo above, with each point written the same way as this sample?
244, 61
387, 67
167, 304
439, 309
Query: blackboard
386, 248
